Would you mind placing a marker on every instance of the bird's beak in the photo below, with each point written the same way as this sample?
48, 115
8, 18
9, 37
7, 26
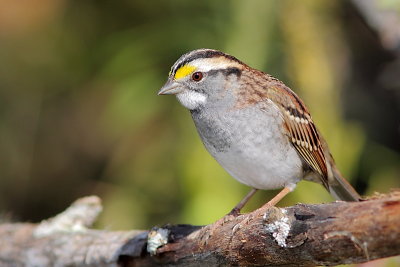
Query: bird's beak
171, 88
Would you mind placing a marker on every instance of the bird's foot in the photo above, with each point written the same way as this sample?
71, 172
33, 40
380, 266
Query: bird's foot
245, 221
211, 229
234, 212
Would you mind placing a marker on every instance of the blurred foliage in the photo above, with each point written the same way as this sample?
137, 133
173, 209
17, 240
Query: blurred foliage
79, 112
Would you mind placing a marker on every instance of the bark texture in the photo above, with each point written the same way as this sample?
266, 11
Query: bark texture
302, 235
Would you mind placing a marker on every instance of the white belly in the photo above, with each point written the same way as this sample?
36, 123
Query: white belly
256, 153
261, 167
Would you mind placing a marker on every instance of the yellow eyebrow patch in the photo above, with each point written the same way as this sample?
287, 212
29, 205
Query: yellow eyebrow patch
184, 71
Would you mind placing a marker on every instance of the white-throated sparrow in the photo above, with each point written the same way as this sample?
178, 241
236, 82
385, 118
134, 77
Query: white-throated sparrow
258, 129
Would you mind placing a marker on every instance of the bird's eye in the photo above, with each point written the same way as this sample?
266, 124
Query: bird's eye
197, 76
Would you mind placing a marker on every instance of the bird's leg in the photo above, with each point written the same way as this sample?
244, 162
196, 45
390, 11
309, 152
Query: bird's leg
267, 205
236, 210
210, 229
286, 190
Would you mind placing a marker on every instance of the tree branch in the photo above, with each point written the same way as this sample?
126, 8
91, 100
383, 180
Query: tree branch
302, 235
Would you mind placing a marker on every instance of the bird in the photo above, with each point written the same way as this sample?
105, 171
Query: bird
254, 126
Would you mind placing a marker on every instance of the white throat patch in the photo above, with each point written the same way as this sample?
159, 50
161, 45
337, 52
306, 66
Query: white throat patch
191, 100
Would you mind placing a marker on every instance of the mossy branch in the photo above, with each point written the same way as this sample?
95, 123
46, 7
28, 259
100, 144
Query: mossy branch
302, 235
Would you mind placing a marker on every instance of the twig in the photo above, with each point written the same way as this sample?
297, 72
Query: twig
302, 235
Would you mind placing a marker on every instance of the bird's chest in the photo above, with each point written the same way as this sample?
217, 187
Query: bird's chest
250, 144
243, 131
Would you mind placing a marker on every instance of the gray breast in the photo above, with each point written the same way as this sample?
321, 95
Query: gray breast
250, 144
213, 131
249, 129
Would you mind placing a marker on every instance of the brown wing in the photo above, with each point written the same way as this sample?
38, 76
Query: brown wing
300, 128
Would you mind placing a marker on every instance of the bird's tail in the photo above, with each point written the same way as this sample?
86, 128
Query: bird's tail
340, 188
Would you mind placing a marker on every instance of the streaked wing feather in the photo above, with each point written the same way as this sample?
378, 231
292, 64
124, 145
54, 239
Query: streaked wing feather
300, 128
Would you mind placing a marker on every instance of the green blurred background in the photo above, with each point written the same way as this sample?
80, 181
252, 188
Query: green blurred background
79, 113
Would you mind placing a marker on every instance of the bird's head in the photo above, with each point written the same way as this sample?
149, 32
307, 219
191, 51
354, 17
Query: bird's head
200, 75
